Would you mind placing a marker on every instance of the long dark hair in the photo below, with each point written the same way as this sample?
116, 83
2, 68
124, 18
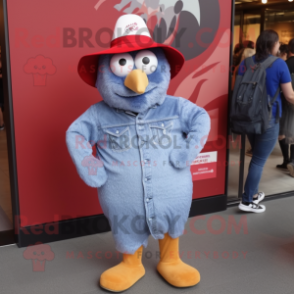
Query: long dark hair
265, 44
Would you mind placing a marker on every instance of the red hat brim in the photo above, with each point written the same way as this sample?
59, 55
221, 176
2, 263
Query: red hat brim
88, 64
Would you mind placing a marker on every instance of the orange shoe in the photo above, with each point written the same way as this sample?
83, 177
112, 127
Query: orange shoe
172, 268
124, 275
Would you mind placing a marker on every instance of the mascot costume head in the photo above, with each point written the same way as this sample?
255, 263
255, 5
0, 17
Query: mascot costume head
145, 143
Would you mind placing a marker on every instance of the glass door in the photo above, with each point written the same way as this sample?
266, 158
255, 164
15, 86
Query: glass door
251, 27
274, 180
237, 30
246, 31
282, 21
252, 21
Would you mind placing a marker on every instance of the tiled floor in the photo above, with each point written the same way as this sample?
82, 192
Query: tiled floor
257, 259
5, 196
273, 180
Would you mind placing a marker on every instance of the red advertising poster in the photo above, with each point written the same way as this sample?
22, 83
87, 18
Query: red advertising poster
47, 39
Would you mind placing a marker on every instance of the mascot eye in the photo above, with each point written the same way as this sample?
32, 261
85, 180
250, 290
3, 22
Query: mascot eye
146, 61
121, 64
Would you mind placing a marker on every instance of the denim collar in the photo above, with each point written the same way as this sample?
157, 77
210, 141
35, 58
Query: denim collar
131, 113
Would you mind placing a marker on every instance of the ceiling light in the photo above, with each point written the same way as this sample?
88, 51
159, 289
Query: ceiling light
265, 1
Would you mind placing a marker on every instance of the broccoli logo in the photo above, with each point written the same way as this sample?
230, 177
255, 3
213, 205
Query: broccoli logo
39, 253
40, 67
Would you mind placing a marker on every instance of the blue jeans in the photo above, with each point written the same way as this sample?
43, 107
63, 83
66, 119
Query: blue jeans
262, 146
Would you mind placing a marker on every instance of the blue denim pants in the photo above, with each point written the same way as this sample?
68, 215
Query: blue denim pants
262, 146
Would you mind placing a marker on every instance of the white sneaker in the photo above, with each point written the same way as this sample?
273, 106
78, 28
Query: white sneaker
252, 207
260, 197
290, 167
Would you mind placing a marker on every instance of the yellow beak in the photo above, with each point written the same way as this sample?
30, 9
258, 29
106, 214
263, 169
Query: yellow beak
137, 81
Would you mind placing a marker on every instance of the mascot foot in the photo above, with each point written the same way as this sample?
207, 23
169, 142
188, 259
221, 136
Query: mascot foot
172, 268
124, 275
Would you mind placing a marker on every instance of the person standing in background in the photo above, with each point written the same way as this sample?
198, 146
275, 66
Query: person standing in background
287, 121
245, 53
263, 144
283, 52
238, 50
1, 98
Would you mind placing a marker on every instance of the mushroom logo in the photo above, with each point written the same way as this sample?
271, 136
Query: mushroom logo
131, 28
39, 253
92, 163
40, 67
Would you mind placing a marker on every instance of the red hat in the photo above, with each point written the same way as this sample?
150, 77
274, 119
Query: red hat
135, 37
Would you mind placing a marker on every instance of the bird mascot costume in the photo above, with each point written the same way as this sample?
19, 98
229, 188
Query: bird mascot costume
145, 143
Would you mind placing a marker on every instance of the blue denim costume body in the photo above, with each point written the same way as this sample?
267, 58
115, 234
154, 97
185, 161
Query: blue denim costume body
144, 185
262, 146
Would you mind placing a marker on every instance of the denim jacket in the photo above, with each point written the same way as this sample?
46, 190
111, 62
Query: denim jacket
142, 165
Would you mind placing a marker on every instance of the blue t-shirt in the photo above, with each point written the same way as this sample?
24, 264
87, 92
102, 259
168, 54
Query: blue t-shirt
277, 74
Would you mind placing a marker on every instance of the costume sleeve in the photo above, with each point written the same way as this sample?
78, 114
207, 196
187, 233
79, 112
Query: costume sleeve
80, 137
195, 123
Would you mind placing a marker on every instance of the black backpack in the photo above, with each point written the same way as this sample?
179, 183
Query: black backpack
251, 107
